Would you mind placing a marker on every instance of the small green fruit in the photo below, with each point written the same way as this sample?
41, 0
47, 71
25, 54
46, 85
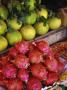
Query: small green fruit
14, 37
28, 32
3, 27
43, 13
14, 24
31, 18
30, 4
54, 23
3, 43
3, 12
41, 28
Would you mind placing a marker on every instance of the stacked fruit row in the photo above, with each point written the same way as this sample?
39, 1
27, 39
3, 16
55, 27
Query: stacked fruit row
25, 20
31, 63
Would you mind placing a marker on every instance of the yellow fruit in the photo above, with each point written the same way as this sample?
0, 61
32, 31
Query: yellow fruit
14, 37
3, 12
3, 43
14, 24
41, 28
43, 12
3, 27
28, 32
54, 23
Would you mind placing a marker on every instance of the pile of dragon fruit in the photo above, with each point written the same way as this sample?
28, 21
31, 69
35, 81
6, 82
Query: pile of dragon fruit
29, 66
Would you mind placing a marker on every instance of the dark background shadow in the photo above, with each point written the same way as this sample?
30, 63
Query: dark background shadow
51, 4
55, 4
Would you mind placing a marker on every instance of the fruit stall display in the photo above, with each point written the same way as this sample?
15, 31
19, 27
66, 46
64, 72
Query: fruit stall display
29, 59
25, 20
32, 66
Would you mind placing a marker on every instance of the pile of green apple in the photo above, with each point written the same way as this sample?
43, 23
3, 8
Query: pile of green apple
24, 20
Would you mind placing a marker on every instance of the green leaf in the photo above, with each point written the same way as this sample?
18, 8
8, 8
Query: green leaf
10, 29
42, 19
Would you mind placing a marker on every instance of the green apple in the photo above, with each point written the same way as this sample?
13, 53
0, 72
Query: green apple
13, 37
43, 12
3, 27
28, 32
3, 43
31, 18
41, 28
3, 12
14, 23
54, 23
